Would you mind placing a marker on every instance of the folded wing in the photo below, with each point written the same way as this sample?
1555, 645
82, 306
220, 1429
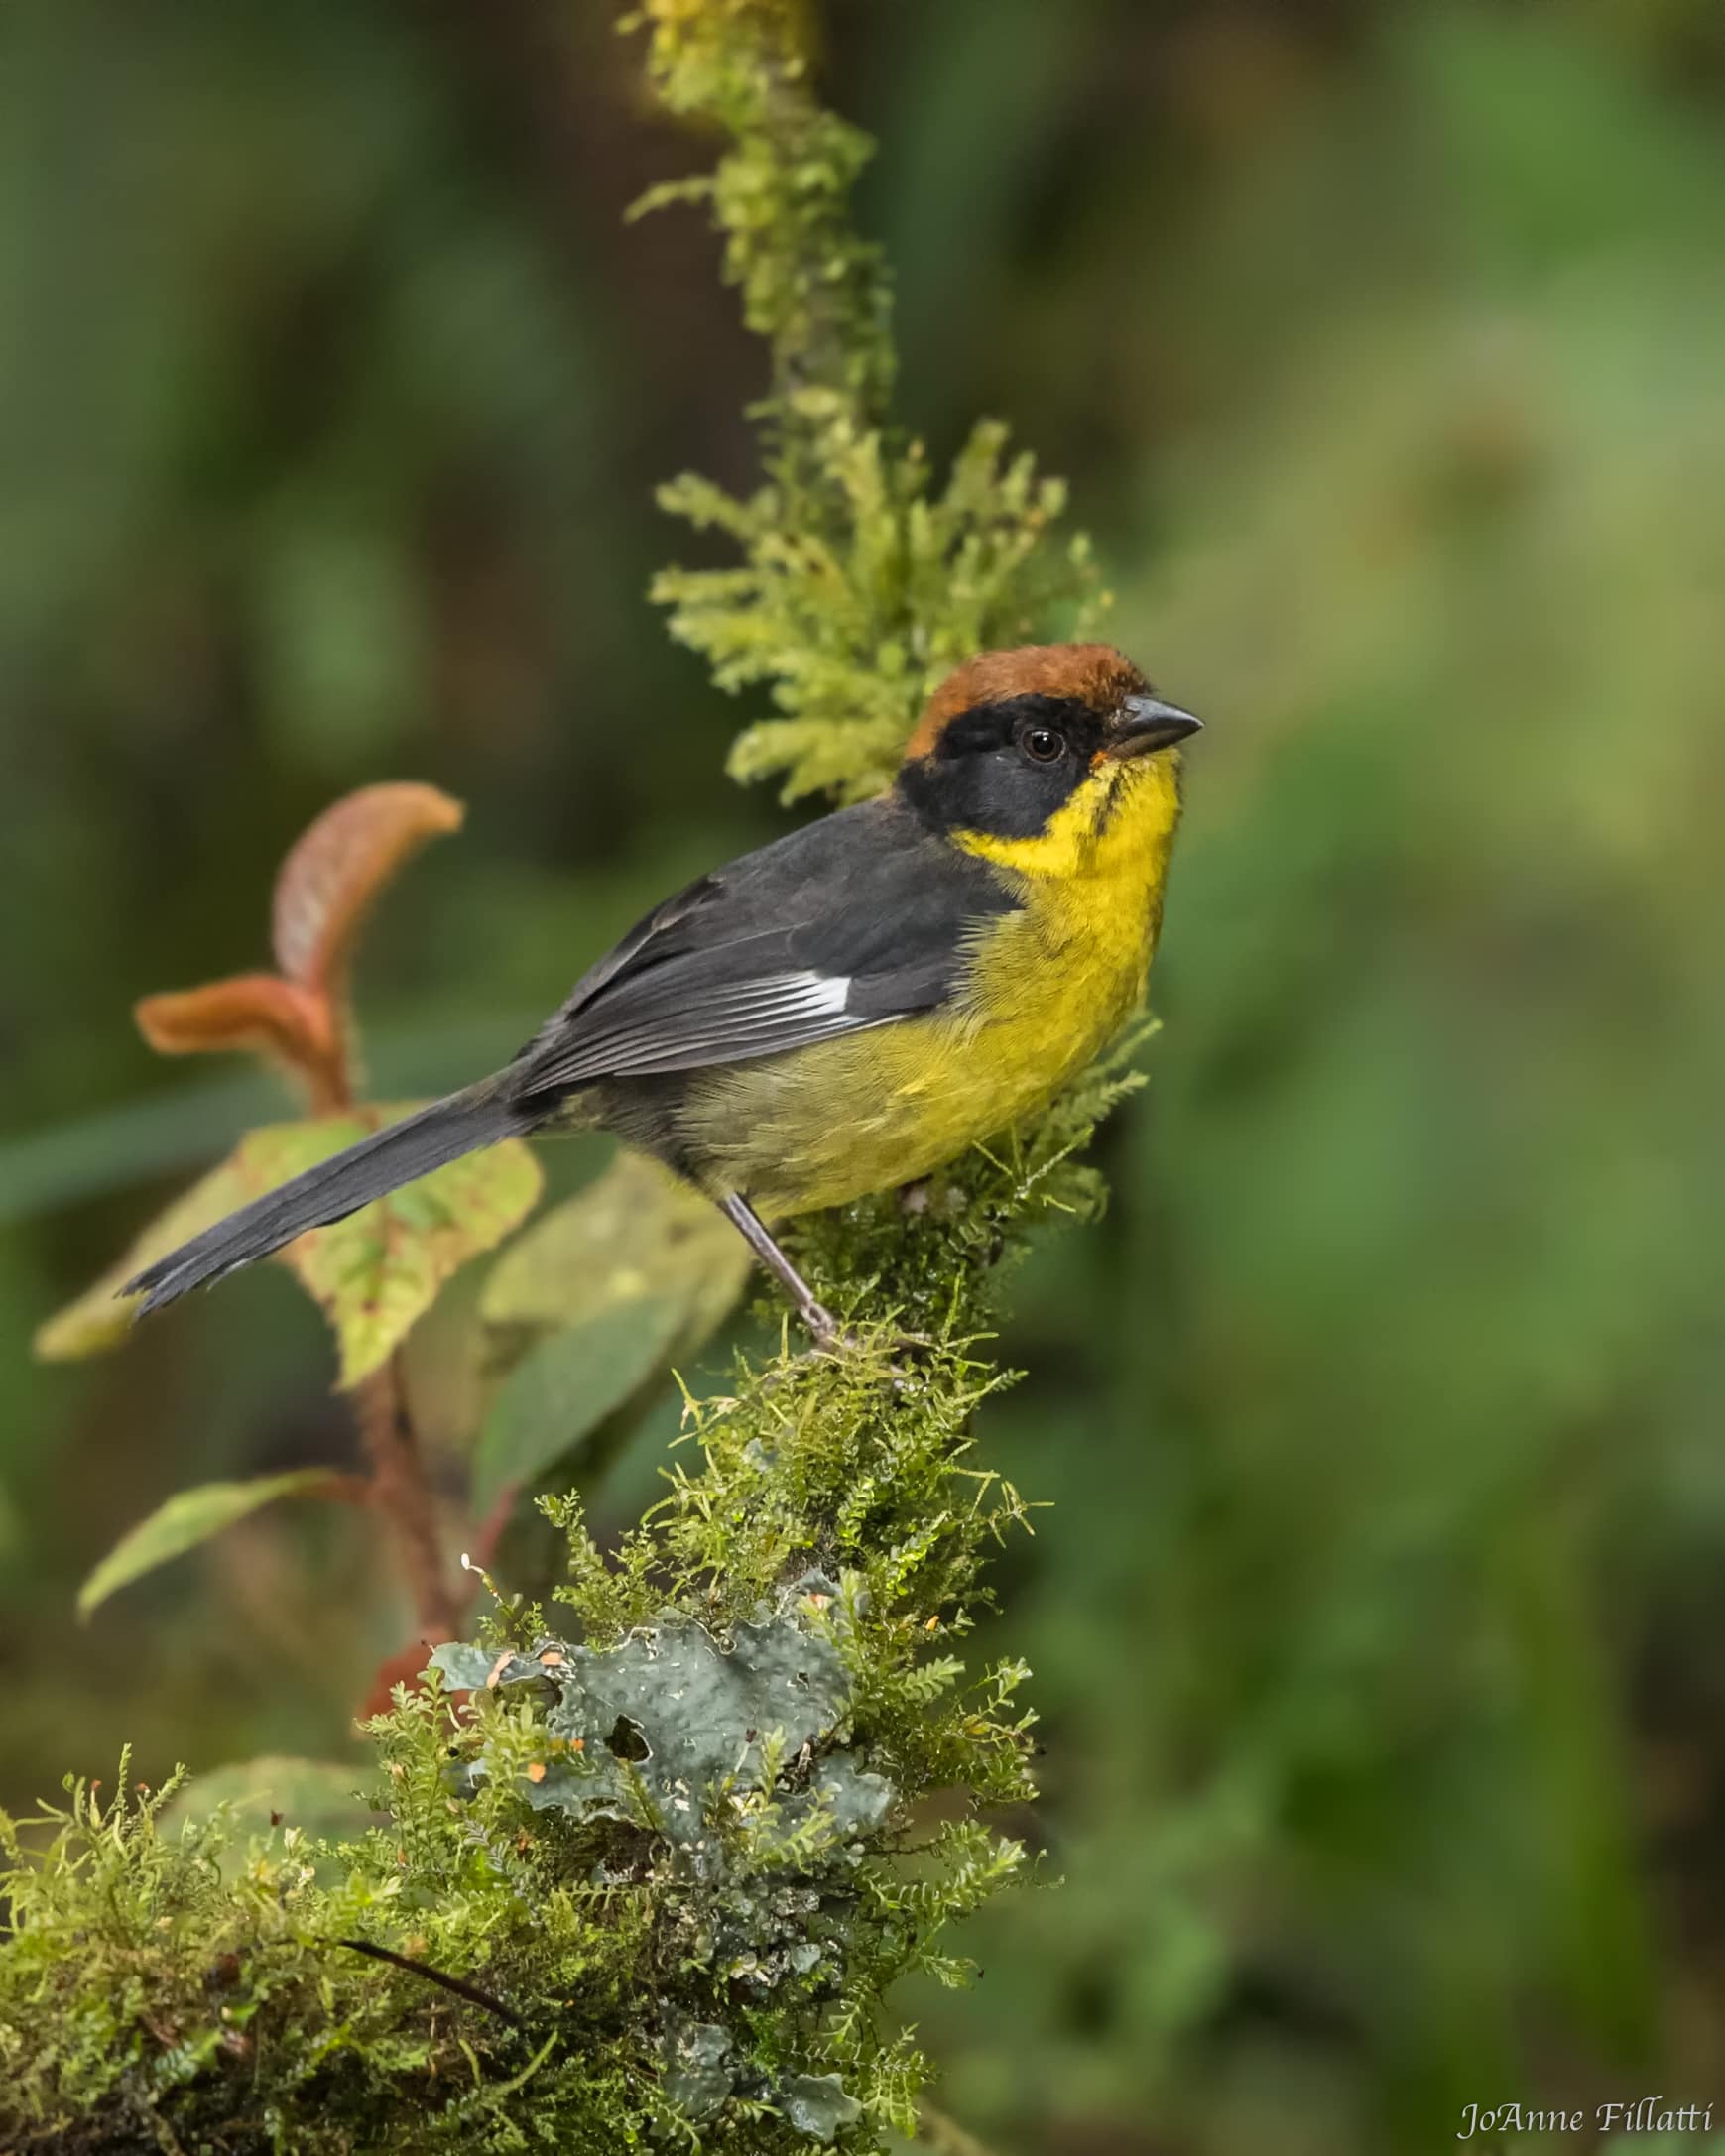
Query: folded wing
855, 921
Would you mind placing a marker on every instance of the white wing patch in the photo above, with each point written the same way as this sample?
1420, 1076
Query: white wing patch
716, 1026
821, 991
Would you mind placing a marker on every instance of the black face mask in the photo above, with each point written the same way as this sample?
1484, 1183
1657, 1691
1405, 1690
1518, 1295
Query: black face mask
1004, 768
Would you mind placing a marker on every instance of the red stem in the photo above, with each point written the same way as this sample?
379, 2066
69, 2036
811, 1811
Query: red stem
399, 1490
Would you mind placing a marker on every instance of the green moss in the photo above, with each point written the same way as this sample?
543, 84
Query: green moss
675, 1836
654, 1881
864, 579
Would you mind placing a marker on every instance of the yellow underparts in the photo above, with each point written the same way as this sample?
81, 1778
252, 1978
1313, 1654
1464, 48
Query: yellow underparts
1047, 988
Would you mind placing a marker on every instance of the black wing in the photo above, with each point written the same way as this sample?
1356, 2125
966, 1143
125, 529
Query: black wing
853, 922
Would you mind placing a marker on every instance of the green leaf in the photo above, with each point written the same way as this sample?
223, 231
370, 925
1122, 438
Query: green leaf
102, 1317
189, 1517
636, 1232
631, 1275
374, 1273
318, 1796
379, 1271
566, 1387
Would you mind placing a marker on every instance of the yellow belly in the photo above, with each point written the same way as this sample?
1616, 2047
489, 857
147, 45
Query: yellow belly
1048, 988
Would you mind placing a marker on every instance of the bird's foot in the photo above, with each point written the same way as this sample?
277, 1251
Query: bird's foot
822, 1327
830, 1338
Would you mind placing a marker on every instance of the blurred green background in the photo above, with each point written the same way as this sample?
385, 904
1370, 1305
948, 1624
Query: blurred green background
1376, 1617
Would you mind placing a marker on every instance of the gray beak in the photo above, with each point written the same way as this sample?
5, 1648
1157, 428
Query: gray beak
1146, 723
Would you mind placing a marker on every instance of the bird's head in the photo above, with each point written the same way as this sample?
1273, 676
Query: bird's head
1038, 751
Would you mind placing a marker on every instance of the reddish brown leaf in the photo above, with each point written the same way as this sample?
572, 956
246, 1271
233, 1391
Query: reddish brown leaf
332, 875
252, 1010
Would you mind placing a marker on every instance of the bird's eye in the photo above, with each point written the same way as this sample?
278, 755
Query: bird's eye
1043, 744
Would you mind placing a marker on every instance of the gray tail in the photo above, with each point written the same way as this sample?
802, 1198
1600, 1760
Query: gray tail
445, 1131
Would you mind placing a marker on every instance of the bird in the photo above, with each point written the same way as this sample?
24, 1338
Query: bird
852, 1006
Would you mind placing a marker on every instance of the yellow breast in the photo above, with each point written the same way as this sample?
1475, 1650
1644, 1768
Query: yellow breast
1046, 988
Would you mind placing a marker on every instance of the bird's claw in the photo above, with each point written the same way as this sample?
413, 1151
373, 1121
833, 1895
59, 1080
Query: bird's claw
831, 1338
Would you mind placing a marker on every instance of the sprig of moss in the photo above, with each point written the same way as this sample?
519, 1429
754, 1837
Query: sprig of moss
863, 578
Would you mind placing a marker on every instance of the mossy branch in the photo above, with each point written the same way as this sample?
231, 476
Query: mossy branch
677, 1824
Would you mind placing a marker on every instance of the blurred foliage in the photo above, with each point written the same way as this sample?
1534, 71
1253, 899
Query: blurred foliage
192, 1516
1374, 1614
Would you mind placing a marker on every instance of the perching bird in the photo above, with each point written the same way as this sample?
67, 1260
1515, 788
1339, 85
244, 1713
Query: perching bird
855, 1004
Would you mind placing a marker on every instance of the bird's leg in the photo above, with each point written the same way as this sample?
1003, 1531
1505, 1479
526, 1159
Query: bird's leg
753, 1230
